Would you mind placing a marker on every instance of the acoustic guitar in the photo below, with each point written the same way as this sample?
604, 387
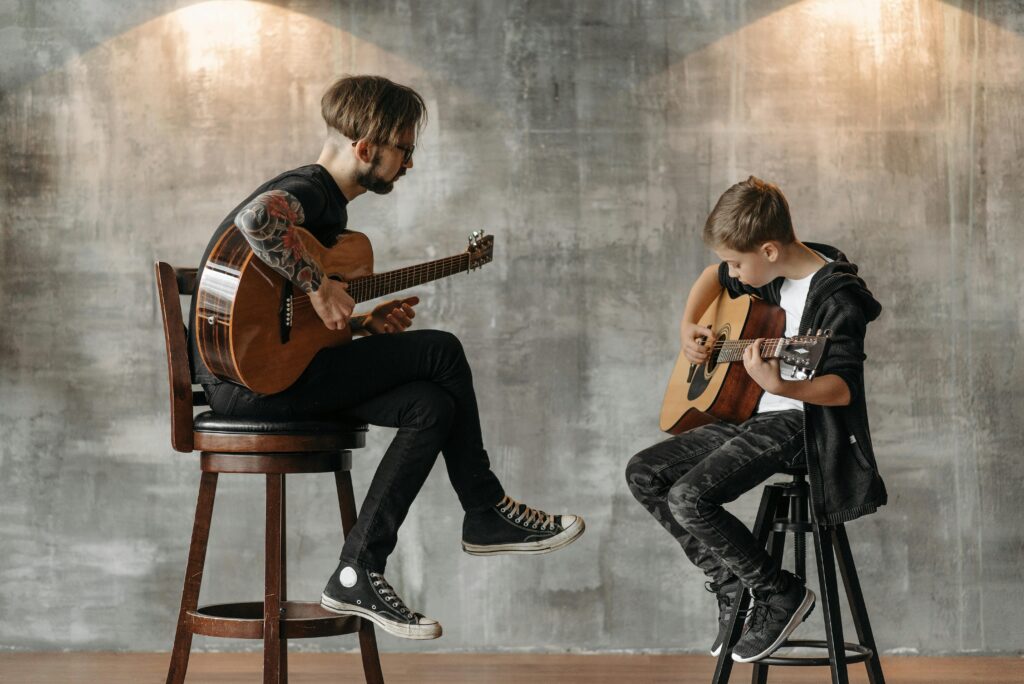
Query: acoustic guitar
253, 328
721, 389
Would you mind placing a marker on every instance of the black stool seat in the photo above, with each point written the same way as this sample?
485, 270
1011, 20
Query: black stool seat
214, 432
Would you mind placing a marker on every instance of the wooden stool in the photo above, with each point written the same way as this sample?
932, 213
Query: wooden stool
786, 505
271, 448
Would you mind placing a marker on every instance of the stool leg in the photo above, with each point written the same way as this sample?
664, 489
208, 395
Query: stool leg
193, 577
855, 597
777, 550
272, 592
799, 513
830, 603
283, 679
769, 504
367, 639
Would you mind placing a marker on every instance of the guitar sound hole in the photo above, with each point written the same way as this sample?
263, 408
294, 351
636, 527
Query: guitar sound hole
712, 364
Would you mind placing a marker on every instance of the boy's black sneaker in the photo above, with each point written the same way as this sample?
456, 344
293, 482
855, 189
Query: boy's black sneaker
512, 527
353, 590
726, 593
772, 618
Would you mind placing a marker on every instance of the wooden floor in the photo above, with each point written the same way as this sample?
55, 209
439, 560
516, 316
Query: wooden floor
307, 668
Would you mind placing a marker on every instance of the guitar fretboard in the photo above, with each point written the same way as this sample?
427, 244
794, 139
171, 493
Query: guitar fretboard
732, 350
380, 284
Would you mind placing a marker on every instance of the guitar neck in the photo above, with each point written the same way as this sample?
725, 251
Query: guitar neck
728, 351
381, 284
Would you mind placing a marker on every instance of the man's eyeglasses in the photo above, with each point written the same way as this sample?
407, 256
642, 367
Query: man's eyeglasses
407, 151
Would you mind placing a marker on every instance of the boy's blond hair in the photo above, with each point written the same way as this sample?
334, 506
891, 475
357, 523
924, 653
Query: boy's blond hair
747, 215
372, 108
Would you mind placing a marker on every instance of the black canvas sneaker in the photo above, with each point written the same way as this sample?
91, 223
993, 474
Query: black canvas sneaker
772, 618
512, 527
726, 594
353, 590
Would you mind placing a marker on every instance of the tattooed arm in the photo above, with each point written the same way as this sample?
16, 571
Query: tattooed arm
268, 223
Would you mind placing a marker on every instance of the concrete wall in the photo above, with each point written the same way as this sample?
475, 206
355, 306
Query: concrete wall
591, 139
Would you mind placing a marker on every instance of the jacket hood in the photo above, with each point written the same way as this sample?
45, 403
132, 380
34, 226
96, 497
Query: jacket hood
846, 277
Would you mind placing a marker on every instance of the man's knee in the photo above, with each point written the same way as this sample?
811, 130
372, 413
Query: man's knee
443, 340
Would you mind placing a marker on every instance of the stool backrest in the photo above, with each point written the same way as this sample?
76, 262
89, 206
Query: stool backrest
171, 284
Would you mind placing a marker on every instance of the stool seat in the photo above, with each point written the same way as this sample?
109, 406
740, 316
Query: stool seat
228, 434
794, 470
208, 421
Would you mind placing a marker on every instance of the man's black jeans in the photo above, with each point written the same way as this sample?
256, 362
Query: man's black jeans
417, 381
685, 480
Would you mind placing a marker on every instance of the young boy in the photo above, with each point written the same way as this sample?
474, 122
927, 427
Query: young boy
820, 424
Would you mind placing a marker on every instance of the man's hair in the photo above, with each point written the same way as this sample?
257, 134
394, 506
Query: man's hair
747, 215
372, 108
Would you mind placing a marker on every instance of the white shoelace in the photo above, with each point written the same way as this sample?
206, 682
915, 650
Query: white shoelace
387, 592
538, 520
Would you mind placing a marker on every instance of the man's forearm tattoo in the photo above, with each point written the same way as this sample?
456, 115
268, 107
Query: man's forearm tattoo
268, 223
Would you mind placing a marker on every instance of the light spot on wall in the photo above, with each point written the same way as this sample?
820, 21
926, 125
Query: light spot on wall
220, 32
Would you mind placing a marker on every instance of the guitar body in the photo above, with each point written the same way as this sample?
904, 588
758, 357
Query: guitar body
242, 303
720, 391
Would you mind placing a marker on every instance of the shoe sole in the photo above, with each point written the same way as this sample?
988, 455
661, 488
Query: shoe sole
801, 613
560, 540
393, 628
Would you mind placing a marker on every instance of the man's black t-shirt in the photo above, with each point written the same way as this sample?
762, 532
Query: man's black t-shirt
325, 217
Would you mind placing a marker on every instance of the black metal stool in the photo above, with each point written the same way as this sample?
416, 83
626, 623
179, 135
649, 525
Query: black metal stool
785, 509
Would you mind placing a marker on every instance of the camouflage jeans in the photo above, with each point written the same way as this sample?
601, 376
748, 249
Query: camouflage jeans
685, 480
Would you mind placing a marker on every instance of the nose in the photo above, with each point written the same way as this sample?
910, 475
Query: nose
408, 164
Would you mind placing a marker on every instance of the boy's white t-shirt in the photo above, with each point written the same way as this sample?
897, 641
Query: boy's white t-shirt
793, 296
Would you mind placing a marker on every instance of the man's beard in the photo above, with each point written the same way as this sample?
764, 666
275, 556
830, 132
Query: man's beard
374, 183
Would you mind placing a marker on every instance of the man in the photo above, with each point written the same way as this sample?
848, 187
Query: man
419, 382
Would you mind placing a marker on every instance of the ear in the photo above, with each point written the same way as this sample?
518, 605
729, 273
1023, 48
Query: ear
363, 150
770, 250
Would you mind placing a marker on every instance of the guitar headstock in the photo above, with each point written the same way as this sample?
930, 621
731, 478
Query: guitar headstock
804, 353
481, 249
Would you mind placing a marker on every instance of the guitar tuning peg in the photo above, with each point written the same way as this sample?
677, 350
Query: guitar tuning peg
819, 332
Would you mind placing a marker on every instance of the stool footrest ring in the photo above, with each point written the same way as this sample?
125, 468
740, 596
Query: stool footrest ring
855, 653
299, 619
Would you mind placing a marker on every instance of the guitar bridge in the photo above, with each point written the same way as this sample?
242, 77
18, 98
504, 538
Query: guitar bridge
286, 313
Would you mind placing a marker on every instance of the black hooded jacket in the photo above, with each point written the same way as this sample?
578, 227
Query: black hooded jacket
844, 478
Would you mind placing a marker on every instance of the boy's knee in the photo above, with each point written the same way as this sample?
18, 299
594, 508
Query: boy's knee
686, 502
640, 476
